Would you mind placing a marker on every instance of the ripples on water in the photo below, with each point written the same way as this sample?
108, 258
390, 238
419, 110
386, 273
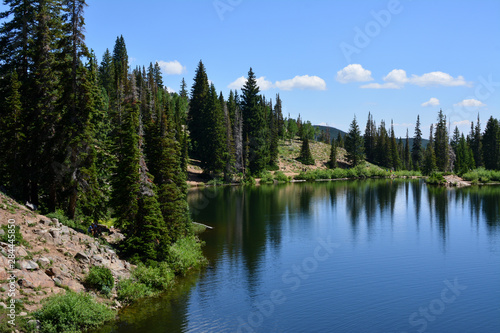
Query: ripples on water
396, 243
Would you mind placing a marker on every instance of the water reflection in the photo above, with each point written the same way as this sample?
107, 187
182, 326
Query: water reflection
251, 219
259, 229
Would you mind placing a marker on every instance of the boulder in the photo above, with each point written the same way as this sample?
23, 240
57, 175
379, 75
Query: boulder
2, 232
29, 265
44, 262
82, 257
21, 252
38, 279
25, 283
74, 285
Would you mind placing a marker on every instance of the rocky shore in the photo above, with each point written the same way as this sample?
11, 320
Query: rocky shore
52, 258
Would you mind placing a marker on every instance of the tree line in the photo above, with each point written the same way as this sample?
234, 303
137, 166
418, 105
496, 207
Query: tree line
458, 153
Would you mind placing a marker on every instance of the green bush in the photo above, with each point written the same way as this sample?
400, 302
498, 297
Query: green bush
266, 178
482, 175
100, 279
281, 177
436, 178
185, 254
72, 312
18, 237
145, 281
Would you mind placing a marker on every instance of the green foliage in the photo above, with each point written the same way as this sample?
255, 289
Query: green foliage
18, 236
354, 144
145, 281
266, 178
72, 312
281, 177
436, 178
100, 279
63, 219
429, 163
185, 254
482, 175
305, 153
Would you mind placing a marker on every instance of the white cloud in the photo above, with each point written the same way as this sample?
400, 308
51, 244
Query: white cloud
397, 78
354, 73
432, 102
461, 123
302, 82
387, 85
264, 84
438, 79
470, 103
172, 67
261, 82
170, 90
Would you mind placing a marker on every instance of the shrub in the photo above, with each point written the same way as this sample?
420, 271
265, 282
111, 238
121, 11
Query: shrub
281, 177
18, 237
185, 254
436, 178
72, 312
145, 281
100, 279
266, 178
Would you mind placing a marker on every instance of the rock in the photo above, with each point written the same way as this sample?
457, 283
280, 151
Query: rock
2, 232
64, 230
23, 314
54, 220
29, 265
2, 305
21, 252
73, 285
38, 279
57, 281
25, 283
98, 258
44, 221
82, 257
48, 237
44, 262
55, 233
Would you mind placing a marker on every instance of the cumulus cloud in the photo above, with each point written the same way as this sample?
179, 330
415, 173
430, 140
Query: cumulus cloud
461, 123
470, 103
261, 82
298, 82
432, 102
170, 90
438, 79
354, 73
397, 78
172, 67
302, 82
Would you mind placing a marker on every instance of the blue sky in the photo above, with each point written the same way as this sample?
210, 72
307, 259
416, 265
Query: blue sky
329, 60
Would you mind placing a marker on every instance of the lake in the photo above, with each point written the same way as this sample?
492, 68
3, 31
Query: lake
340, 256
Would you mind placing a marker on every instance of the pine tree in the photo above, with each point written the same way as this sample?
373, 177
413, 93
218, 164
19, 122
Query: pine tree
340, 140
200, 96
464, 157
354, 144
407, 156
416, 150
332, 163
455, 139
441, 143
254, 127
305, 156
382, 147
429, 162
370, 139
491, 145
273, 125
476, 143
396, 162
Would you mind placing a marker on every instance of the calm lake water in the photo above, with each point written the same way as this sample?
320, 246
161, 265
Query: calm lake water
354, 256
